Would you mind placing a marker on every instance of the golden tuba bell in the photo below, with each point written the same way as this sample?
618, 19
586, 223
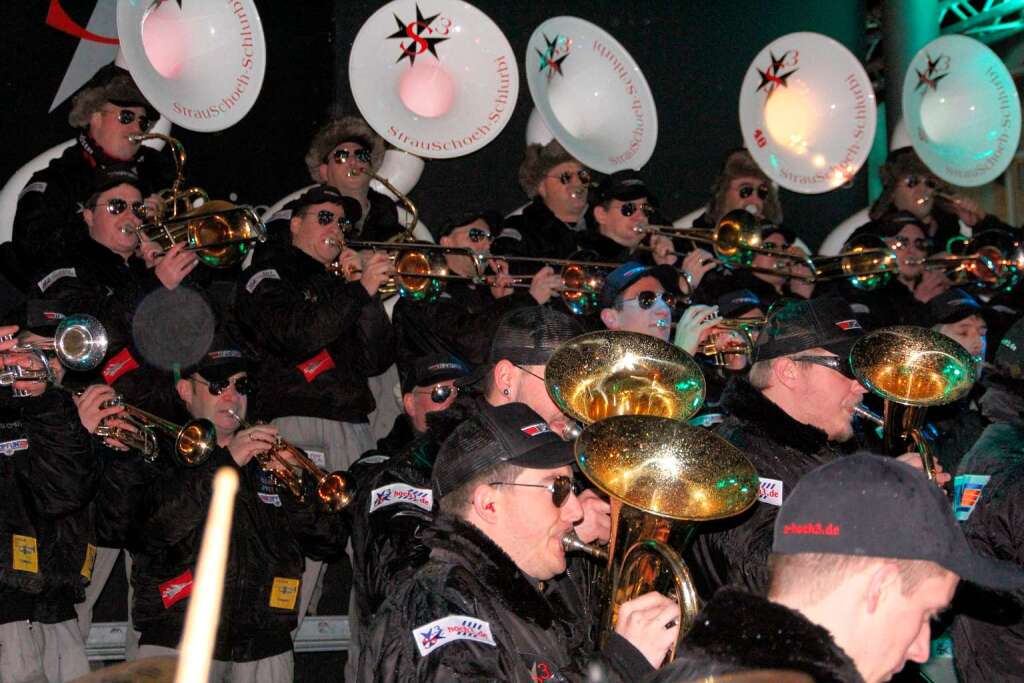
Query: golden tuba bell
911, 368
635, 393
221, 233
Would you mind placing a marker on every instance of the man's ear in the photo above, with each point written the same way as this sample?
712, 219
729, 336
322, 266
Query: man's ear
786, 372
294, 223
486, 503
322, 170
504, 378
600, 214
446, 241
884, 579
185, 390
407, 403
610, 318
88, 216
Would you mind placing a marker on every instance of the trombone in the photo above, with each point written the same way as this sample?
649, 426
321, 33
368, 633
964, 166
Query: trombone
993, 259
194, 441
221, 233
332, 489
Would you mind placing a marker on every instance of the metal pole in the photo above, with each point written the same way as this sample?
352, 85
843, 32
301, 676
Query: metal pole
907, 26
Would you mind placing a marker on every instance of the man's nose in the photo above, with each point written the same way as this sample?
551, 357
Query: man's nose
571, 509
920, 649
857, 387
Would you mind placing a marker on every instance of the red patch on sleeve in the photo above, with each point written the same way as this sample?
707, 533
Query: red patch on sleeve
315, 366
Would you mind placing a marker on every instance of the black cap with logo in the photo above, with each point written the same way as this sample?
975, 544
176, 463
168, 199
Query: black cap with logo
431, 369
628, 273
736, 303
952, 306
796, 326
876, 506
325, 194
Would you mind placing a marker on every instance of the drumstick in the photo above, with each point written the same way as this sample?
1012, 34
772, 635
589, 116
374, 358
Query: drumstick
204, 604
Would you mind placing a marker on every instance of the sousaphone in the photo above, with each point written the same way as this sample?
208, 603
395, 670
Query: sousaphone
590, 94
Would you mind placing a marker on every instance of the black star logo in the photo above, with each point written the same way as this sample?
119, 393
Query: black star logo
546, 56
932, 63
777, 63
924, 80
415, 30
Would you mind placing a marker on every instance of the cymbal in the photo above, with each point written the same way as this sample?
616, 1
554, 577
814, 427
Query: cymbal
146, 670
667, 467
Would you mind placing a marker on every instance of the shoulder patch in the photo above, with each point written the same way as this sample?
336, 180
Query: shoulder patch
374, 459
967, 489
37, 186
512, 234
401, 493
770, 491
255, 280
282, 215
12, 447
45, 283
439, 633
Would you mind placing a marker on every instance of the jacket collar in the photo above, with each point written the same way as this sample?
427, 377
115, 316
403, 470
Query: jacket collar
759, 415
454, 540
740, 628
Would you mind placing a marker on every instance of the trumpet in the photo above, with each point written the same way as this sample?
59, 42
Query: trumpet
332, 489
79, 343
718, 346
220, 232
194, 441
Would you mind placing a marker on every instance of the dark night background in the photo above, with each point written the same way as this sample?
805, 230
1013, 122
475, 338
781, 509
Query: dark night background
693, 54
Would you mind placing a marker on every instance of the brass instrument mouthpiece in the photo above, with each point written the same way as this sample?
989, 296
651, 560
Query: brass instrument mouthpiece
571, 542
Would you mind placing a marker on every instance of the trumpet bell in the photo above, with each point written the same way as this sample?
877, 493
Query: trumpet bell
220, 232
334, 491
80, 342
195, 442
913, 366
601, 374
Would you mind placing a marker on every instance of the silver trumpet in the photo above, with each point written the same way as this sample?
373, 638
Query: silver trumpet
79, 343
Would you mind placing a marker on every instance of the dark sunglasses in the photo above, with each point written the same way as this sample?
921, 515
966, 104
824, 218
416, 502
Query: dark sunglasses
126, 117
565, 177
478, 235
116, 206
243, 385
747, 190
629, 208
438, 393
341, 156
838, 363
921, 243
325, 217
646, 299
913, 181
560, 488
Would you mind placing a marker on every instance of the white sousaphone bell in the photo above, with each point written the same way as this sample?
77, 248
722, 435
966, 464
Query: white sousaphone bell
590, 95
808, 113
201, 64
435, 78
962, 110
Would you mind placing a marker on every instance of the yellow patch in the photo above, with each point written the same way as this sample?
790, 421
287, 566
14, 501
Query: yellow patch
90, 561
284, 593
26, 554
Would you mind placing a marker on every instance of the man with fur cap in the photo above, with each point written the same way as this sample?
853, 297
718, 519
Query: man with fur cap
909, 185
106, 113
741, 184
548, 226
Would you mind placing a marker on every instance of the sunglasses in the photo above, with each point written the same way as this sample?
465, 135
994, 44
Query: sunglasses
243, 385
341, 156
116, 206
646, 299
913, 181
560, 488
478, 235
325, 217
921, 243
629, 208
776, 246
439, 393
837, 363
565, 177
747, 190
126, 117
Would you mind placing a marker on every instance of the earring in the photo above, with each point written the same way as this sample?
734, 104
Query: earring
506, 392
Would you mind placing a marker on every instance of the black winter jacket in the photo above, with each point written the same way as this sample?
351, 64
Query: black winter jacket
988, 634
536, 232
317, 338
738, 631
471, 614
47, 226
735, 551
270, 534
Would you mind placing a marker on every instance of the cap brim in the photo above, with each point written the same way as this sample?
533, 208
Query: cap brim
222, 371
985, 571
547, 456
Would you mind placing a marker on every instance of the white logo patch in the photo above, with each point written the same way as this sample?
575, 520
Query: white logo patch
37, 186
437, 634
282, 215
259, 277
12, 447
45, 283
770, 491
318, 458
401, 493
270, 499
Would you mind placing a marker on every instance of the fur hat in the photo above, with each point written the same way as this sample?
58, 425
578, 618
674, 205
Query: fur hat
110, 84
337, 131
739, 164
540, 159
900, 163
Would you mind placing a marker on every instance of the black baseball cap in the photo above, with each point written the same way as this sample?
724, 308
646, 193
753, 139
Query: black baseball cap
431, 369
116, 174
952, 306
223, 359
526, 336
630, 272
623, 185
737, 302
325, 194
875, 506
795, 326
511, 433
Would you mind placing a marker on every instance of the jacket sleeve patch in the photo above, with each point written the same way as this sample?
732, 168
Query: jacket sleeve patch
770, 491
255, 280
12, 447
37, 186
25, 553
45, 283
437, 634
401, 493
967, 489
